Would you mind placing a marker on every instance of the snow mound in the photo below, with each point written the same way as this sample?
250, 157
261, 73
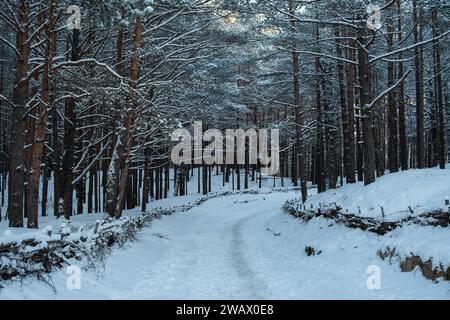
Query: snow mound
420, 190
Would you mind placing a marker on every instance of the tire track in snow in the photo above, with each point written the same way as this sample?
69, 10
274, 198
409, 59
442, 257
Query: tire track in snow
208, 260
248, 277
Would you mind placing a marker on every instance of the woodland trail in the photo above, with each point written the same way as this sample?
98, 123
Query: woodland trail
241, 247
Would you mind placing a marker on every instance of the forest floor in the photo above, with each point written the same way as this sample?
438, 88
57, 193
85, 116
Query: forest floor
247, 247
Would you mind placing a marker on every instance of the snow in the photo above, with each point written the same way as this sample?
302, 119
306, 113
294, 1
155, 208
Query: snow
339, 272
124, 23
241, 247
422, 190
244, 246
426, 242
217, 188
148, 10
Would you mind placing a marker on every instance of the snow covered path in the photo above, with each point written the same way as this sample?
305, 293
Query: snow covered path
240, 247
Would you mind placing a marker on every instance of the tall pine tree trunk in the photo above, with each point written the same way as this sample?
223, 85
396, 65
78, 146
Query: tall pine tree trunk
39, 143
365, 83
351, 152
17, 143
70, 122
112, 175
392, 97
130, 117
418, 37
344, 108
299, 156
320, 148
440, 134
401, 99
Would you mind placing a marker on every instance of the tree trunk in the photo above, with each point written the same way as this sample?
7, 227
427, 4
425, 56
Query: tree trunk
320, 148
90, 200
392, 97
112, 176
39, 143
440, 132
145, 182
20, 99
130, 117
30, 132
344, 109
298, 105
45, 178
401, 99
365, 82
418, 37
69, 139
351, 152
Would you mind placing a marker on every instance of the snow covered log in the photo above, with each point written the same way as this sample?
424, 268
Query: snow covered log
45, 251
349, 220
379, 226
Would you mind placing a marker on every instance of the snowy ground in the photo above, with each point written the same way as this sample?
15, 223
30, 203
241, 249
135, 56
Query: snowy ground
422, 190
7, 234
241, 247
268, 183
246, 247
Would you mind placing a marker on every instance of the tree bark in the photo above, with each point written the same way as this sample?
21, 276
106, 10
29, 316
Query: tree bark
418, 37
365, 83
320, 148
344, 109
351, 152
68, 161
17, 144
298, 106
440, 132
145, 188
39, 143
401, 99
392, 97
130, 117
112, 177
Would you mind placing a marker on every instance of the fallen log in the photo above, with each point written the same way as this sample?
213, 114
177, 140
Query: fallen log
380, 227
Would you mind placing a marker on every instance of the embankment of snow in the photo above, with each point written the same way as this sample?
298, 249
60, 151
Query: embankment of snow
421, 190
407, 211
